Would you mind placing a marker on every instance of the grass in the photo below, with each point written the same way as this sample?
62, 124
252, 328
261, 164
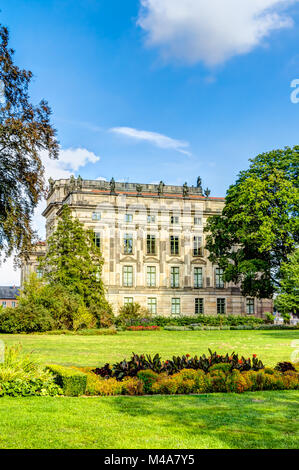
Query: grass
270, 346
247, 421
263, 420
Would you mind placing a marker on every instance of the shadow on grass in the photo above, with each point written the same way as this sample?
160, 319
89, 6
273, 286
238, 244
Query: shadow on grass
283, 334
247, 421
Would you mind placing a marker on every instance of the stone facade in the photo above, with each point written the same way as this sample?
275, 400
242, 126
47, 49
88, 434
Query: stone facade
152, 241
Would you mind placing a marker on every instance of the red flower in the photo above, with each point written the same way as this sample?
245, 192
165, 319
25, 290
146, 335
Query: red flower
240, 361
187, 355
254, 356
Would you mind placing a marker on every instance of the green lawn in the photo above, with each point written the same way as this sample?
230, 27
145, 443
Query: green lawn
251, 420
270, 346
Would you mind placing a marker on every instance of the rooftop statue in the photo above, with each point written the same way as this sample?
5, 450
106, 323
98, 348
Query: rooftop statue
112, 186
185, 190
161, 188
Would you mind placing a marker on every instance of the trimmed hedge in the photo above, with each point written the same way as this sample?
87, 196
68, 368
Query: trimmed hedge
73, 382
227, 327
208, 320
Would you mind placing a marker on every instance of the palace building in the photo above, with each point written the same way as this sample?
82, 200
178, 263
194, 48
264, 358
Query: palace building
152, 241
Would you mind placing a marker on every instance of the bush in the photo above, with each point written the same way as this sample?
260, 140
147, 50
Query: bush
133, 314
235, 382
269, 317
25, 319
224, 367
26, 388
72, 381
22, 375
132, 386
148, 378
109, 387
165, 385
103, 314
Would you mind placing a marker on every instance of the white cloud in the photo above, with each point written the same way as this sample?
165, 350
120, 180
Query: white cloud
210, 31
159, 140
70, 161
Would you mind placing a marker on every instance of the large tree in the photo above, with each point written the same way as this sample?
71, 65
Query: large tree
259, 226
25, 130
287, 300
73, 260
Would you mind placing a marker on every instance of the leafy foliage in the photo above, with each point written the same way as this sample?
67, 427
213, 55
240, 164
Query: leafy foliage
259, 225
25, 131
22, 375
132, 314
25, 319
287, 300
143, 362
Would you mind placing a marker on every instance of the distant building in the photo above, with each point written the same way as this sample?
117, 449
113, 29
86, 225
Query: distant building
153, 244
9, 296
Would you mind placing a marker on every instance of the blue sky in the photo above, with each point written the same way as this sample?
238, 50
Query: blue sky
212, 79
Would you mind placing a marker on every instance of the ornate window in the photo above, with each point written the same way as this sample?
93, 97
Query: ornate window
175, 306
128, 217
151, 219
197, 246
152, 304
96, 216
174, 245
198, 278
175, 277
128, 244
151, 244
250, 306
199, 309
221, 306
151, 276
128, 276
97, 239
219, 278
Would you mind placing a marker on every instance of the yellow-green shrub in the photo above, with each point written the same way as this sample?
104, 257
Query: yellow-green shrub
164, 385
235, 382
132, 386
217, 381
108, 387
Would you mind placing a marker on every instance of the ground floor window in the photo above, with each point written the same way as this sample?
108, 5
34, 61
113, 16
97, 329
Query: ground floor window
128, 300
152, 304
250, 306
199, 306
13, 304
128, 276
176, 306
221, 306
3, 304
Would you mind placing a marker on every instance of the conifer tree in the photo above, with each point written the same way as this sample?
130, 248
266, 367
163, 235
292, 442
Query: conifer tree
73, 260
